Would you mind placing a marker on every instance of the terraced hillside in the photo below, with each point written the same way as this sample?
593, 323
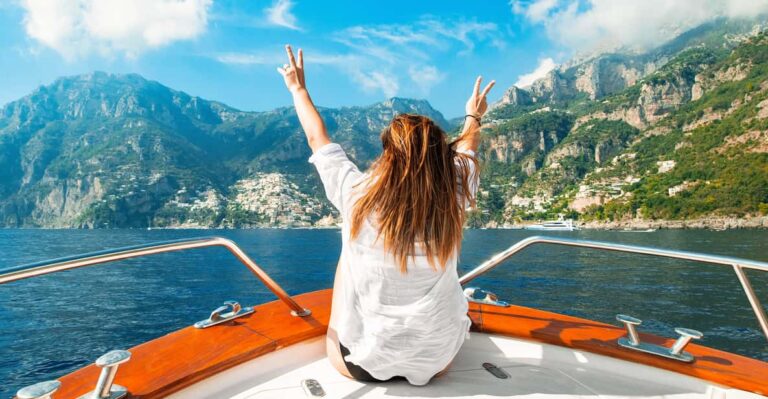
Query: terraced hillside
687, 140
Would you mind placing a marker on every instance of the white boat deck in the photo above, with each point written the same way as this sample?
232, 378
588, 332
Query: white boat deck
535, 371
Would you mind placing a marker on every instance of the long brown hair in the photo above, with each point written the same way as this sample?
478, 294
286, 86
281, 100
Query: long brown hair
416, 191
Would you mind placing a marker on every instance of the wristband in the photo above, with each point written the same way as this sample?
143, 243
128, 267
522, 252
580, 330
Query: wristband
479, 121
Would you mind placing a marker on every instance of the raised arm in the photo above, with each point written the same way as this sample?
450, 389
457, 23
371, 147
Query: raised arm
475, 108
311, 122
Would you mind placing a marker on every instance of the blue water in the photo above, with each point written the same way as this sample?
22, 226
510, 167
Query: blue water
54, 324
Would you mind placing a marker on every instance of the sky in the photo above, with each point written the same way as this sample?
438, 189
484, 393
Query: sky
356, 52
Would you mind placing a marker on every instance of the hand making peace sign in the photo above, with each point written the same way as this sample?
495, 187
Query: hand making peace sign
477, 103
293, 72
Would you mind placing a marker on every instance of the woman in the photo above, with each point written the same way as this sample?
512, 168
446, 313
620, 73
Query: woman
398, 309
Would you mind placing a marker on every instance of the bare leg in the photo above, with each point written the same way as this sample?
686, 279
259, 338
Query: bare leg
445, 370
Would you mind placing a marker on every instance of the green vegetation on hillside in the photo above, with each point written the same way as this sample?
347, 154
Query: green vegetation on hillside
535, 122
678, 132
720, 164
713, 149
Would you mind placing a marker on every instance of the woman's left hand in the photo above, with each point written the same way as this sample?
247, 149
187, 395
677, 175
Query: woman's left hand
293, 72
477, 103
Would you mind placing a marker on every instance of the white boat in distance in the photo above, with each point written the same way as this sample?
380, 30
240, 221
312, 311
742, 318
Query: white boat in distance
560, 224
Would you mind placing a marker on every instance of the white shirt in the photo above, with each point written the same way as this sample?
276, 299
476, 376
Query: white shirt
410, 325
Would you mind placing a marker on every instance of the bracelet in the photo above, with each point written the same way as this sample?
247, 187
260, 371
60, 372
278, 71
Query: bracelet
479, 121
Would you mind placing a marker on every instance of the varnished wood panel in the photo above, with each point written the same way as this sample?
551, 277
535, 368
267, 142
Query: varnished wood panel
177, 360
572, 332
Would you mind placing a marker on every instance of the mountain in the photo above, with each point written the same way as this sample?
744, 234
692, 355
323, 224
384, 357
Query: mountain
679, 132
596, 76
624, 139
103, 150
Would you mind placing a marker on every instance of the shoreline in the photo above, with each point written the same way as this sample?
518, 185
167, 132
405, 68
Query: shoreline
705, 223
708, 223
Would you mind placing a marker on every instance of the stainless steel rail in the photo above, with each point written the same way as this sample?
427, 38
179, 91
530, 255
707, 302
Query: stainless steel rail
95, 258
737, 264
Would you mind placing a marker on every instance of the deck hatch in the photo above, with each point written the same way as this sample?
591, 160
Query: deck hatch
495, 371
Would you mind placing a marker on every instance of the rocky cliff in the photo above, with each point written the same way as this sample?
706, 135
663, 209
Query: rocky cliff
103, 150
668, 134
678, 132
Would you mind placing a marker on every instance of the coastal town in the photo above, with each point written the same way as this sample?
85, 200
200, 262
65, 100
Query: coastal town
262, 200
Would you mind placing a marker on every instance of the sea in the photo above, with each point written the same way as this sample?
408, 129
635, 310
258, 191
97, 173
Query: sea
54, 324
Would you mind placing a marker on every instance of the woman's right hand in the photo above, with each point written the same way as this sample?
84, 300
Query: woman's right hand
293, 72
469, 139
477, 103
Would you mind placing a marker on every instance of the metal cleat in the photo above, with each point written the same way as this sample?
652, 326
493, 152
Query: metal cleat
105, 387
630, 322
230, 311
479, 295
686, 335
632, 341
41, 390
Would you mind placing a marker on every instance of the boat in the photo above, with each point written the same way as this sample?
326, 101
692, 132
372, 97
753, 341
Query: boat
561, 224
277, 349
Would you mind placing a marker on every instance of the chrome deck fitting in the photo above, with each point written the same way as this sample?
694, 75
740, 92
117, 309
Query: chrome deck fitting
479, 295
41, 390
686, 335
630, 322
229, 311
632, 341
303, 313
495, 371
105, 387
312, 388
737, 264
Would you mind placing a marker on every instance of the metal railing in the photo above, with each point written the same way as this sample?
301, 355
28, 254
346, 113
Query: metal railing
737, 264
95, 258
112, 255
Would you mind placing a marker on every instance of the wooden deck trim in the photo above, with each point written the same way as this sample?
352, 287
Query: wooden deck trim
175, 361
170, 363
712, 365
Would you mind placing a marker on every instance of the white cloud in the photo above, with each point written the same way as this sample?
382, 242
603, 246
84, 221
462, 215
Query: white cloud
369, 81
589, 25
386, 55
544, 67
76, 28
280, 14
389, 58
425, 76
466, 32
245, 59
538, 10
278, 57
382, 81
